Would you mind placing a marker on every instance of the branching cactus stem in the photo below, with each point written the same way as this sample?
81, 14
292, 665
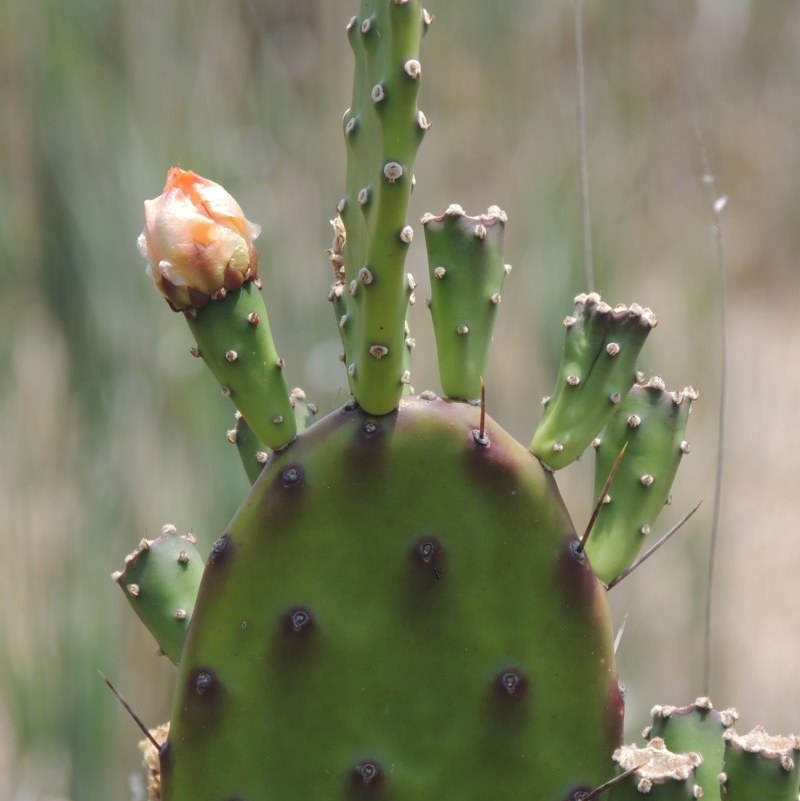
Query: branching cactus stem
401, 609
200, 254
383, 129
252, 451
652, 421
598, 369
235, 341
467, 271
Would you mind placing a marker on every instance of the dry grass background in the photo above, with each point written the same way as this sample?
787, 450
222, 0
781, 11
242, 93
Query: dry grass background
108, 428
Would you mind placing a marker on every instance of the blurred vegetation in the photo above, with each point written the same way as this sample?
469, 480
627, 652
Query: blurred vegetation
109, 429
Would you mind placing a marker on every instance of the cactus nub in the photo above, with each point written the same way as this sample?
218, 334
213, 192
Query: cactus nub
252, 451
160, 580
465, 260
598, 369
697, 727
759, 765
652, 421
658, 773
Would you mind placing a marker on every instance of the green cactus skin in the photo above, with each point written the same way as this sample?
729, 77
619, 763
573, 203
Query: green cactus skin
697, 727
661, 776
598, 368
370, 624
252, 451
653, 423
234, 339
160, 580
383, 129
465, 261
305, 412
760, 766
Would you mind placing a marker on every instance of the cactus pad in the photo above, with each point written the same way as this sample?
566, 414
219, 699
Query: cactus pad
402, 596
160, 580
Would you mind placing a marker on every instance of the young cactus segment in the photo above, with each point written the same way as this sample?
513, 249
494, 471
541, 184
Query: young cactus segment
660, 774
199, 251
305, 412
696, 727
598, 368
653, 423
252, 451
383, 129
234, 339
160, 580
760, 766
465, 261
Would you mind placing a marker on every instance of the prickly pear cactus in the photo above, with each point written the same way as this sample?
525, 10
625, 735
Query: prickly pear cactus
401, 608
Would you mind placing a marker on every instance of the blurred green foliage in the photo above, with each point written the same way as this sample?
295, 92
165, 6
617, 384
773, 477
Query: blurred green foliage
109, 429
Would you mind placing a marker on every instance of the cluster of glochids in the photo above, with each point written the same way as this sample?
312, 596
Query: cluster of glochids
402, 608
694, 752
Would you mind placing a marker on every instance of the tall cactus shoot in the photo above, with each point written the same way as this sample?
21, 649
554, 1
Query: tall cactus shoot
400, 608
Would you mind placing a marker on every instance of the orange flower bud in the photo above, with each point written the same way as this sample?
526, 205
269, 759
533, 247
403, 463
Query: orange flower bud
197, 242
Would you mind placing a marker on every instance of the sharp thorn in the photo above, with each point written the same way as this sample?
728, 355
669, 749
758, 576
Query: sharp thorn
601, 499
137, 720
620, 632
482, 427
611, 782
650, 551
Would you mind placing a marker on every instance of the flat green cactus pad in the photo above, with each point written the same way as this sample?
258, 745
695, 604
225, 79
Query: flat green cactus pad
396, 611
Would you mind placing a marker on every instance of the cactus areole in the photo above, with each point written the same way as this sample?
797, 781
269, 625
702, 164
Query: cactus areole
400, 609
